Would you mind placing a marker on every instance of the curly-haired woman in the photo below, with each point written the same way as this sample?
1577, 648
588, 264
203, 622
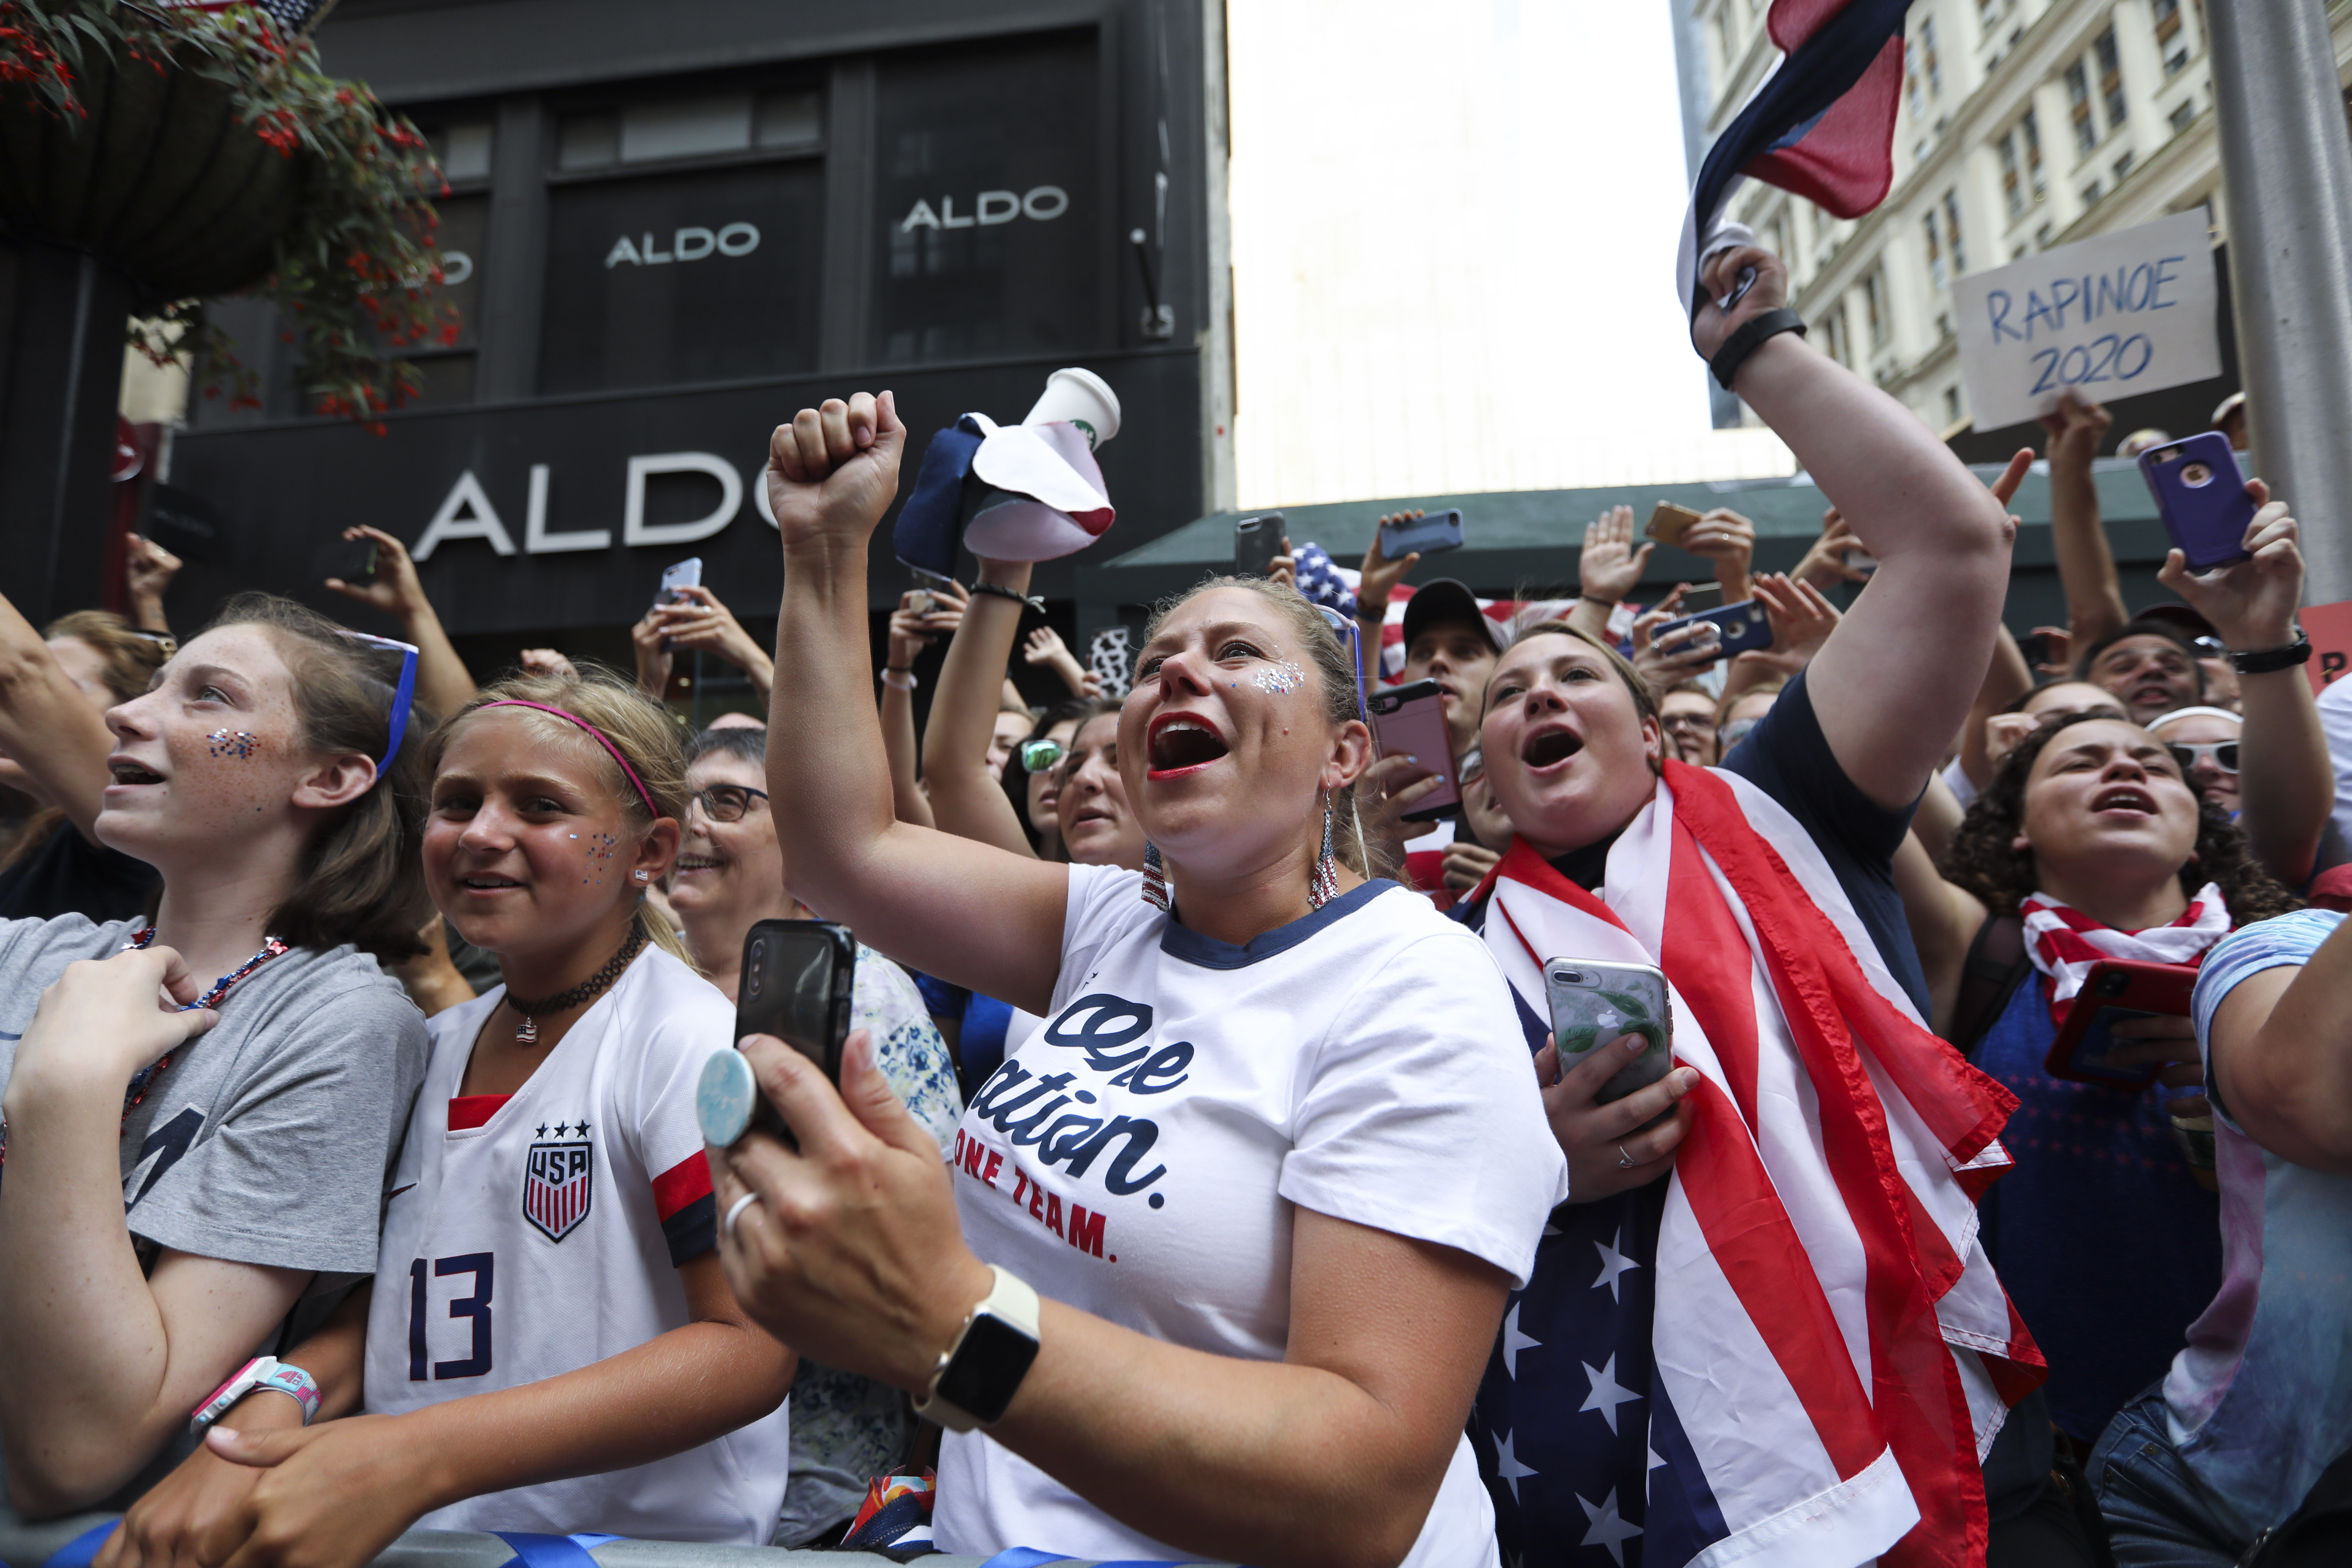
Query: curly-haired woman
2090, 843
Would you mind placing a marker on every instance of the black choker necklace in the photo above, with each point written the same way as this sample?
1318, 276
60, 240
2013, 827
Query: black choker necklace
527, 1032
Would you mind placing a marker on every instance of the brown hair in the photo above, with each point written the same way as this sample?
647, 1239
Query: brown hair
639, 728
361, 879
1982, 860
1334, 679
1770, 686
1645, 702
132, 659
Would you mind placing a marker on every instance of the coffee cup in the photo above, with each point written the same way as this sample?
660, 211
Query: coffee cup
1081, 397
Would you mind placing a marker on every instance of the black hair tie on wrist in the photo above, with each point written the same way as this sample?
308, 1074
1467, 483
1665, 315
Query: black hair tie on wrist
2265, 660
1751, 335
1036, 602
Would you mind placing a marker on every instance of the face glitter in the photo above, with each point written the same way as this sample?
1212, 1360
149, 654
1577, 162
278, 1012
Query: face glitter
232, 742
1280, 678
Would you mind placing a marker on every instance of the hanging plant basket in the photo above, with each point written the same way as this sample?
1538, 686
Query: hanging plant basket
162, 181
200, 153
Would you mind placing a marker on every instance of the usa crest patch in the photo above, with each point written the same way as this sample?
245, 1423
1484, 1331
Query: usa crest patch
556, 1187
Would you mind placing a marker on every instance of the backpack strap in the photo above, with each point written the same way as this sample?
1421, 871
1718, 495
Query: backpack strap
1996, 965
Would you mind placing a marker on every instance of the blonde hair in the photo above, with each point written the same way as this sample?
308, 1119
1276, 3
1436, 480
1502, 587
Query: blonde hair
638, 728
132, 660
1335, 678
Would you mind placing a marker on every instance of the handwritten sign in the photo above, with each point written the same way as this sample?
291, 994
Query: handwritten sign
2123, 313
2329, 628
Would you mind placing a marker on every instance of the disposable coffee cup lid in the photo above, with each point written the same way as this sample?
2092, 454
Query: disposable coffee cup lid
1081, 397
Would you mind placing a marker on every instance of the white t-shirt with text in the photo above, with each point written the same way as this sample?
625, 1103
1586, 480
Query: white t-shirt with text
1141, 1155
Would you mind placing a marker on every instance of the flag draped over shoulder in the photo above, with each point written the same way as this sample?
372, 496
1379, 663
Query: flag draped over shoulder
1822, 126
1822, 1294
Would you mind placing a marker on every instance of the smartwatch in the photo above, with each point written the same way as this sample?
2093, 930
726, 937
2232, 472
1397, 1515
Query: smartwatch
978, 1375
261, 1372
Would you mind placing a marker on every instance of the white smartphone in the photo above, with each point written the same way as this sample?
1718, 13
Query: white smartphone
686, 574
1593, 1003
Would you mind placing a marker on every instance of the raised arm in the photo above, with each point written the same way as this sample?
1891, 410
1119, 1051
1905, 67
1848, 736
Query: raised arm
1893, 682
443, 683
1608, 569
699, 622
2086, 565
148, 571
2006, 679
2286, 785
973, 914
911, 631
47, 725
2280, 1051
965, 801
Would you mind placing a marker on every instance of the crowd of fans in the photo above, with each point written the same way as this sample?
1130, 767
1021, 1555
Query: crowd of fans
1192, 1055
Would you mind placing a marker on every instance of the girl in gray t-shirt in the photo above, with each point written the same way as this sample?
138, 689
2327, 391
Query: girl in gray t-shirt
264, 776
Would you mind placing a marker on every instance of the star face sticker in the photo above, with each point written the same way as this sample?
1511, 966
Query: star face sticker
1514, 1343
1606, 1396
1612, 1263
1608, 1529
1507, 1465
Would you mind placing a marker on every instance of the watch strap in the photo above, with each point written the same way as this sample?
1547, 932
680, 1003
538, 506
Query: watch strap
1749, 336
1009, 1300
2265, 660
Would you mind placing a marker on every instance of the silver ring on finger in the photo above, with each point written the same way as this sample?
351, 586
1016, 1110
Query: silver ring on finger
1624, 1162
735, 1211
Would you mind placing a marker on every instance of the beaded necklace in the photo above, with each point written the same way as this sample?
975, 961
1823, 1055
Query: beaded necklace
144, 1078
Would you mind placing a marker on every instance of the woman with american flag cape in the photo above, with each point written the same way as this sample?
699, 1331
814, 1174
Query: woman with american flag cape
1762, 1327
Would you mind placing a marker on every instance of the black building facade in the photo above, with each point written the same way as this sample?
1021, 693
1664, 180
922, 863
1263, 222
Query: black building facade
672, 225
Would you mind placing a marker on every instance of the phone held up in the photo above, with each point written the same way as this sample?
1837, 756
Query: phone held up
351, 559
1668, 522
1403, 536
2114, 991
1410, 722
796, 985
1256, 541
2200, 495
1739, 629
1593, 1003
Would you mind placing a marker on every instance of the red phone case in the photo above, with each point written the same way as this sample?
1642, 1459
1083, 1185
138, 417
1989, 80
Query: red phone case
2116, 989
1410, 721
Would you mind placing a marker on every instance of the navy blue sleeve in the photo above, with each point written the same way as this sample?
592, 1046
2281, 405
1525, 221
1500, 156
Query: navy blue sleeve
1789, 758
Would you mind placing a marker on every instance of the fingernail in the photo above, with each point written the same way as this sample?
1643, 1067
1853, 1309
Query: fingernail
1636, 1044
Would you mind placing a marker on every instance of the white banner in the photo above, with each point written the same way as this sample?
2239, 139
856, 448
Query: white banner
2123, 313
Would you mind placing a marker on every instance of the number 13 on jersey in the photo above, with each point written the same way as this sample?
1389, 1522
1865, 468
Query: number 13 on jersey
483, 1268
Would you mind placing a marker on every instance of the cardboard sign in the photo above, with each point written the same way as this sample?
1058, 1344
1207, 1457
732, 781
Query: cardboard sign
2329, 628
2123, 313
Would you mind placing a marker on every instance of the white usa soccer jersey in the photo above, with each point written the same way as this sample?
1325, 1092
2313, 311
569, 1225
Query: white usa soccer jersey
531, 1235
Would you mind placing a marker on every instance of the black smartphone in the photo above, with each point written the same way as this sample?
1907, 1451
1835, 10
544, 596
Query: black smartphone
796, 982
1256, 541
1410, 721
1427, 535
351, 559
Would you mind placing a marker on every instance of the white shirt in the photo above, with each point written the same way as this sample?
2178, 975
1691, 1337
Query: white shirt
1139, 1156
549, 1237
2335, 723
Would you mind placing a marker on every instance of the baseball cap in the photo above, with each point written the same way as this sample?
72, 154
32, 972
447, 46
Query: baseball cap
1448, 600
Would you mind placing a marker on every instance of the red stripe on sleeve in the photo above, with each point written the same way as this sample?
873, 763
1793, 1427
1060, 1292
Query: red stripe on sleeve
469, 1111
681, 1185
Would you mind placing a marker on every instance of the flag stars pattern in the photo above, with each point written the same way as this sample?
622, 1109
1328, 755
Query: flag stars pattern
1606, 1396
1507, 1465
1608, 1529
1514, 1343
1612, 1263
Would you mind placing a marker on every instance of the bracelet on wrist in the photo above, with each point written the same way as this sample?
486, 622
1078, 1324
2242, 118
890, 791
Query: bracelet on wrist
1751, 337
1036, 602
2265, 660
904, 679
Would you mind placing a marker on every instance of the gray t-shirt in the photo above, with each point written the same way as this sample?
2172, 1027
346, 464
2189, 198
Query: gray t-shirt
268, 1138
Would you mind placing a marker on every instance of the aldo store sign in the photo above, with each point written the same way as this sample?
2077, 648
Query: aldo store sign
467, 511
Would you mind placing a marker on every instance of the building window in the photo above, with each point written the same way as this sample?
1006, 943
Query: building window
2042, 237
1834, 336
2078, 105
1934, 65
2167, 15
1943, 325
2032, 126
2122, 166
663, 130
2092, 192
2017, 252
1927, 229
1952, 230
2111, 78
2012, 184
1873, 306
1951, 406
2182, 113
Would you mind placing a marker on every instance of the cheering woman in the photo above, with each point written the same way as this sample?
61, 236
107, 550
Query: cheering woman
1223, 1243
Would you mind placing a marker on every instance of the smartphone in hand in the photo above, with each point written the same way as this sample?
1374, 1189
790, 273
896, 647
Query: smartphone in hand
797, 979
351, 559
1256, 541
686, 574
1739, 629
1410, 722
2200, 495
2113, 991
1593, 1003
1668, 522
1439, 530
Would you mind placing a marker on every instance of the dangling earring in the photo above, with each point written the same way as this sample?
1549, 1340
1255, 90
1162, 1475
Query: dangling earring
1155, 879
1323, 885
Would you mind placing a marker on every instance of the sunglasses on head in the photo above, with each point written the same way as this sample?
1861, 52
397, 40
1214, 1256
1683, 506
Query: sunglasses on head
1731, 734
2187, 754
404, 696
1039, 756
1338, 624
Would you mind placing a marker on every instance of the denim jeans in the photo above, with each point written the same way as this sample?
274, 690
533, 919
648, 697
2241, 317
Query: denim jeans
2155, 1508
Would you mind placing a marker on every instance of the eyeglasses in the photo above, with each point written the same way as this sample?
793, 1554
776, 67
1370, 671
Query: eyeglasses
1736, 731
727, 803
1697, 723
1339, 623
2225, 754
404, 696
1039, 756
165, 643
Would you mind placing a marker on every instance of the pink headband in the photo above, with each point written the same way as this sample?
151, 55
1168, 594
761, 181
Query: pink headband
598, 735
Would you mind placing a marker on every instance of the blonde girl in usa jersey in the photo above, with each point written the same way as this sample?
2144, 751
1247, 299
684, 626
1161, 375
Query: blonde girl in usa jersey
549, 1344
